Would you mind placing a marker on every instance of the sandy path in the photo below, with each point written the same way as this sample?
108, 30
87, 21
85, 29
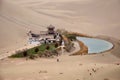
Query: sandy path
76, 48
9, 53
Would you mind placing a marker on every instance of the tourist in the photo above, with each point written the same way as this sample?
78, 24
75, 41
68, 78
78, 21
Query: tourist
57, 60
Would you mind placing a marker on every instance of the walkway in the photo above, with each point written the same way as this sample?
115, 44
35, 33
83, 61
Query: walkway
77, 48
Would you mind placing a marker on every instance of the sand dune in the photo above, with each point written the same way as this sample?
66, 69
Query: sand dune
89, 16
92, 17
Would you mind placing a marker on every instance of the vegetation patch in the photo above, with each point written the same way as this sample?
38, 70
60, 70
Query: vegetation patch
36, 51
68, 37
71, 36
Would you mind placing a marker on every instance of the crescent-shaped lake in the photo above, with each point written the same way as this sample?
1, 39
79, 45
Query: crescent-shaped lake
96, 45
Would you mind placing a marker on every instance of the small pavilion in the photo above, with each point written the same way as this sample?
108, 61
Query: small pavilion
51, 29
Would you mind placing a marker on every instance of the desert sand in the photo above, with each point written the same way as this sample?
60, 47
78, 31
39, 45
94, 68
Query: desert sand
91, 17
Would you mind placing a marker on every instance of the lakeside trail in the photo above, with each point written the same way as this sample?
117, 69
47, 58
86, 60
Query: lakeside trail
76, 48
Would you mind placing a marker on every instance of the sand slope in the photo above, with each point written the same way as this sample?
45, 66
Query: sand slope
87, 16
93, 17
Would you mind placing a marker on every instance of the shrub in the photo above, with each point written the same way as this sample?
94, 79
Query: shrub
56, 45
32, 56
71, 37
25, 53
47, 47
36, 49
40, 54
47, 53
54, 52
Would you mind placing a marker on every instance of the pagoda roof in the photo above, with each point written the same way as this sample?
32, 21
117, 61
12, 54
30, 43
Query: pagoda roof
51, 26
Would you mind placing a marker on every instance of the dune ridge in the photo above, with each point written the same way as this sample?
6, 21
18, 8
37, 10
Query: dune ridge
88, 17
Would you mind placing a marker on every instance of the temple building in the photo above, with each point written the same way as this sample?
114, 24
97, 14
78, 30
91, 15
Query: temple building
48, 36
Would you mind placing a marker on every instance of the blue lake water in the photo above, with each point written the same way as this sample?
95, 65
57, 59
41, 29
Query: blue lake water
96, 45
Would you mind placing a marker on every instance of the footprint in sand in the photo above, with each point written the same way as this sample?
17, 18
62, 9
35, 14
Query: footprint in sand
117, 64
42, 71
90, 74
60, 73
94, 70
80, 64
